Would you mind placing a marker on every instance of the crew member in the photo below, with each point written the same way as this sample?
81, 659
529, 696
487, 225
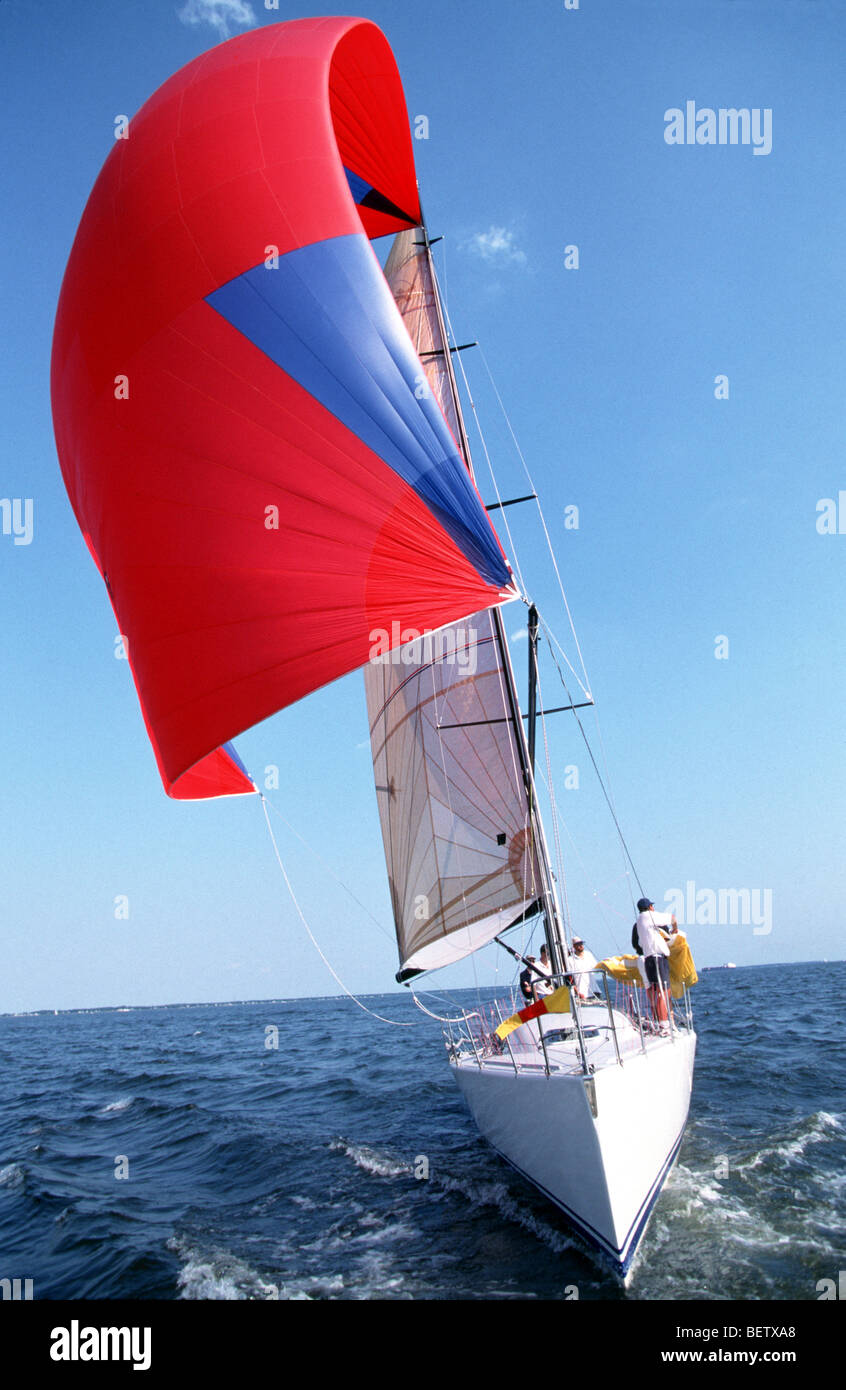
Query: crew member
527, 979
584, 961
650, 933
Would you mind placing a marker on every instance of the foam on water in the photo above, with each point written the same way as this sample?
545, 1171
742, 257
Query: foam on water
13, 1175
371, 1161
497, 1195
819, 1128
217, 1274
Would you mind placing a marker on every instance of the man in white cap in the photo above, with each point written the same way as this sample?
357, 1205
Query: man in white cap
584, 961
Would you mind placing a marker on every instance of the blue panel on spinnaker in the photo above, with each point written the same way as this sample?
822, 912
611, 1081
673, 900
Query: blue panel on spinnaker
233, 753
326, 316
358, 187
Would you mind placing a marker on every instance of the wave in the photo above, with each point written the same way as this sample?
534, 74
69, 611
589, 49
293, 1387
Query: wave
818, 1128
497, 1195
217, 1274
13, 1175
381, 1165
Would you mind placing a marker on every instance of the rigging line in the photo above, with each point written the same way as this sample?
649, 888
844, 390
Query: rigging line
389, 936
599, 776
611, 882
595, 892
551, 635
443, 999
483, 442
394, 1022
608, 779
608, 793
540, 512
551, 790
440, 1017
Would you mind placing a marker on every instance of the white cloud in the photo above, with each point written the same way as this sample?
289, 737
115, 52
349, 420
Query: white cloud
496, 244
219, 14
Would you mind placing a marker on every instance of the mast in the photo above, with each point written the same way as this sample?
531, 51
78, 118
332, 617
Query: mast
533, 684
552, 907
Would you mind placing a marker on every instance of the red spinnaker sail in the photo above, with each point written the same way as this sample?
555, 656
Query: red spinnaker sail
238, 408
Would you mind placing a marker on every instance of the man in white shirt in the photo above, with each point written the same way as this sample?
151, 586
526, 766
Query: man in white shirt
651, 929
584, 961
545, 985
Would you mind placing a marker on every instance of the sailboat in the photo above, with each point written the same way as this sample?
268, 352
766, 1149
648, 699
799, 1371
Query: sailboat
592, 1112
262, 440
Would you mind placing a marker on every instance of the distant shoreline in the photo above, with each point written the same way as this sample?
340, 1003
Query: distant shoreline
334, 998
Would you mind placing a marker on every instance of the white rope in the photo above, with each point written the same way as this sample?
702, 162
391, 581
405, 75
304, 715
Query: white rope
439, 1017
333, 973
551, 635
389, 935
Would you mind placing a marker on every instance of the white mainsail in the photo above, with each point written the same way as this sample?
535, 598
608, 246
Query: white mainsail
452, 800
461, 856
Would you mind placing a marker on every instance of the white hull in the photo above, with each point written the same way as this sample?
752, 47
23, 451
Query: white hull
599, 1147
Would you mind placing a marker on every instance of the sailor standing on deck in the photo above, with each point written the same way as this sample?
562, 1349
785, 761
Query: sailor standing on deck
584, 961
651, 930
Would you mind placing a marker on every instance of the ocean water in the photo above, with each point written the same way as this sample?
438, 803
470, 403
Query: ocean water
296, 1172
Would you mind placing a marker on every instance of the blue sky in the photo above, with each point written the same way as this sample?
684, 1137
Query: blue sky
697, 515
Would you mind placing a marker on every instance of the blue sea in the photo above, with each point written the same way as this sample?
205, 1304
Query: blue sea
171, 1153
